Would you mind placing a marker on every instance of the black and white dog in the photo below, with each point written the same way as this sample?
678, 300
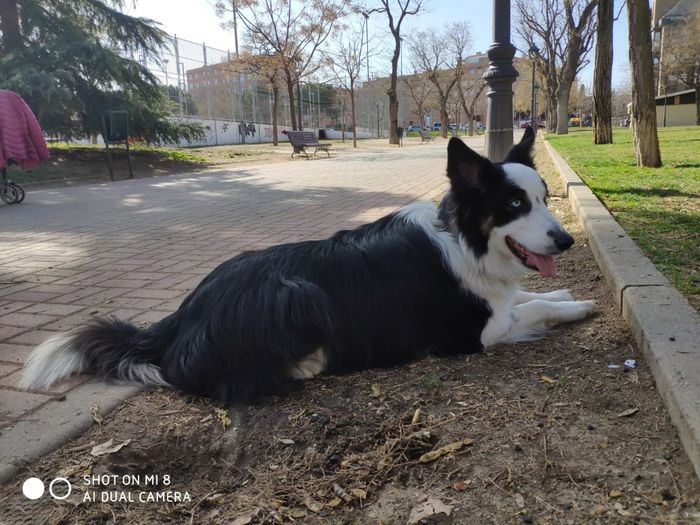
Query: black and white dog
419, 280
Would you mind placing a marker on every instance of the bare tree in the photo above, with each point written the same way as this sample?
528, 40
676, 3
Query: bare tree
646, 140
396, 11
295, 35
346, 64
440, 54
265, 64
563, 30
469, 97
422, 93
602, 76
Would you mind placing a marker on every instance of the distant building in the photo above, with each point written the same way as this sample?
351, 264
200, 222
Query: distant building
671, 20
676, 109
214, 88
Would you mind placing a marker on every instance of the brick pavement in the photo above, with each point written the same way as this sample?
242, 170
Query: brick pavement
134, 249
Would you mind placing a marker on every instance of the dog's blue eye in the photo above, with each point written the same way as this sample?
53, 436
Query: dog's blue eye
515, 203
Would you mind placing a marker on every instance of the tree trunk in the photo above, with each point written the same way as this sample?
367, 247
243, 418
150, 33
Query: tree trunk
393, 93
472, 124
697, 104
352, 111
443, 118
292, 106
602, 91
563, 109
646, 140
9, 26
275, 107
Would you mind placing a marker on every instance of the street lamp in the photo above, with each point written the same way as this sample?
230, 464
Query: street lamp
366, 15
500, 77
534, 53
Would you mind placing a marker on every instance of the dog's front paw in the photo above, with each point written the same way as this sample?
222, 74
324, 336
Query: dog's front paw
568, 311
586, 308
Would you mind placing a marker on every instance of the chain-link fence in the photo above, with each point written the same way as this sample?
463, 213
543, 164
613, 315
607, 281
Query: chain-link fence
204, 84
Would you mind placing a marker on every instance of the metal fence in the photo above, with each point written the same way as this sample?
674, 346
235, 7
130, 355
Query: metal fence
202, 82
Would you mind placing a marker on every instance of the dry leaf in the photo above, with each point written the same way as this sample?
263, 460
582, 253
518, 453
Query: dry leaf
286, 441
108, 447
334, 502
547, 379
628, 413
95, 411
296, 514
615, 494
416, 416
428, 509
359, 493
223, 417
447, 449
376, 390
312, 504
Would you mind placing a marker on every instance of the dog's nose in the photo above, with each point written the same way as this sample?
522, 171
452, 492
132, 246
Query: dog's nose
562, 238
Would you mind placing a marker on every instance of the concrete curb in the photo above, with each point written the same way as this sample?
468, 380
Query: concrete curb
665, 326
55, 423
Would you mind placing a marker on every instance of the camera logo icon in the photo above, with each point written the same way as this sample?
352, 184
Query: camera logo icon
59, 488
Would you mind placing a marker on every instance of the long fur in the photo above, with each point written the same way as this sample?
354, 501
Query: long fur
416, 281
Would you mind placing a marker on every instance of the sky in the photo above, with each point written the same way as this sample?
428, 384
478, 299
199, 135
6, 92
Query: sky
196, 20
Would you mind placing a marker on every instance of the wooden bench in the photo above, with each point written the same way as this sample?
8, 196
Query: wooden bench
425, 136
301, 140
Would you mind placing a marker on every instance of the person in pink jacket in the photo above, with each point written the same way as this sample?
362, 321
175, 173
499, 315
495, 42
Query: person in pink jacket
21, 137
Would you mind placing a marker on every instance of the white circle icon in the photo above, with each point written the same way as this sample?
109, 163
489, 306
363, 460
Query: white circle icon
59, 496
33, 488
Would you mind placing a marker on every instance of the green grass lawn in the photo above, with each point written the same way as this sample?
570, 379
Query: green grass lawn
659, 208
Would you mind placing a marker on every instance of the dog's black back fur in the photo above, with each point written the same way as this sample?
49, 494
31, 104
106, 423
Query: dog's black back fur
376, 296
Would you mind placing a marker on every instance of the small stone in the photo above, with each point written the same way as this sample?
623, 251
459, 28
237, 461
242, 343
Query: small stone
528, 519
517, 447
590, 427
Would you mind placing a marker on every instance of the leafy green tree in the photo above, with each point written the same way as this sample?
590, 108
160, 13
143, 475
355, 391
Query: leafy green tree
72, 60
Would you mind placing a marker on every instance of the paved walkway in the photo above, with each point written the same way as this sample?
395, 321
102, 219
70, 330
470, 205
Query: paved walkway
134, 249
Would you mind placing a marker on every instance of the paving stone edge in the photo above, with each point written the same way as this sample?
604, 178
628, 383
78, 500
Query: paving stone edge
664, 325
53, 424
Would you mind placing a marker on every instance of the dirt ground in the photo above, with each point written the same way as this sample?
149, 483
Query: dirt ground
540, 432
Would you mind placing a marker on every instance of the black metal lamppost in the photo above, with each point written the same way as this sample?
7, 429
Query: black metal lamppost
534, 53
500, 77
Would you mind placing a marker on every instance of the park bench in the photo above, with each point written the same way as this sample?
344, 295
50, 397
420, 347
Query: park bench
425, 136
301, 140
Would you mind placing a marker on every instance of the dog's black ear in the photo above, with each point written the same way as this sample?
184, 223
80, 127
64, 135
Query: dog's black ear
522, 152
464, 166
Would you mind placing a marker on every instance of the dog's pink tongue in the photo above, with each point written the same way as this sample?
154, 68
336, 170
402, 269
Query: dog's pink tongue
544, 263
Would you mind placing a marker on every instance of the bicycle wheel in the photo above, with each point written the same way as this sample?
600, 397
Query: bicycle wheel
20, 192
8, 194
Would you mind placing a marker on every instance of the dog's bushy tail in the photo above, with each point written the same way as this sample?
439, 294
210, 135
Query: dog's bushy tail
107, 347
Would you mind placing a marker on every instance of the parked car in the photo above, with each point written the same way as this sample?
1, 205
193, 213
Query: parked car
414, 127
437, 126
